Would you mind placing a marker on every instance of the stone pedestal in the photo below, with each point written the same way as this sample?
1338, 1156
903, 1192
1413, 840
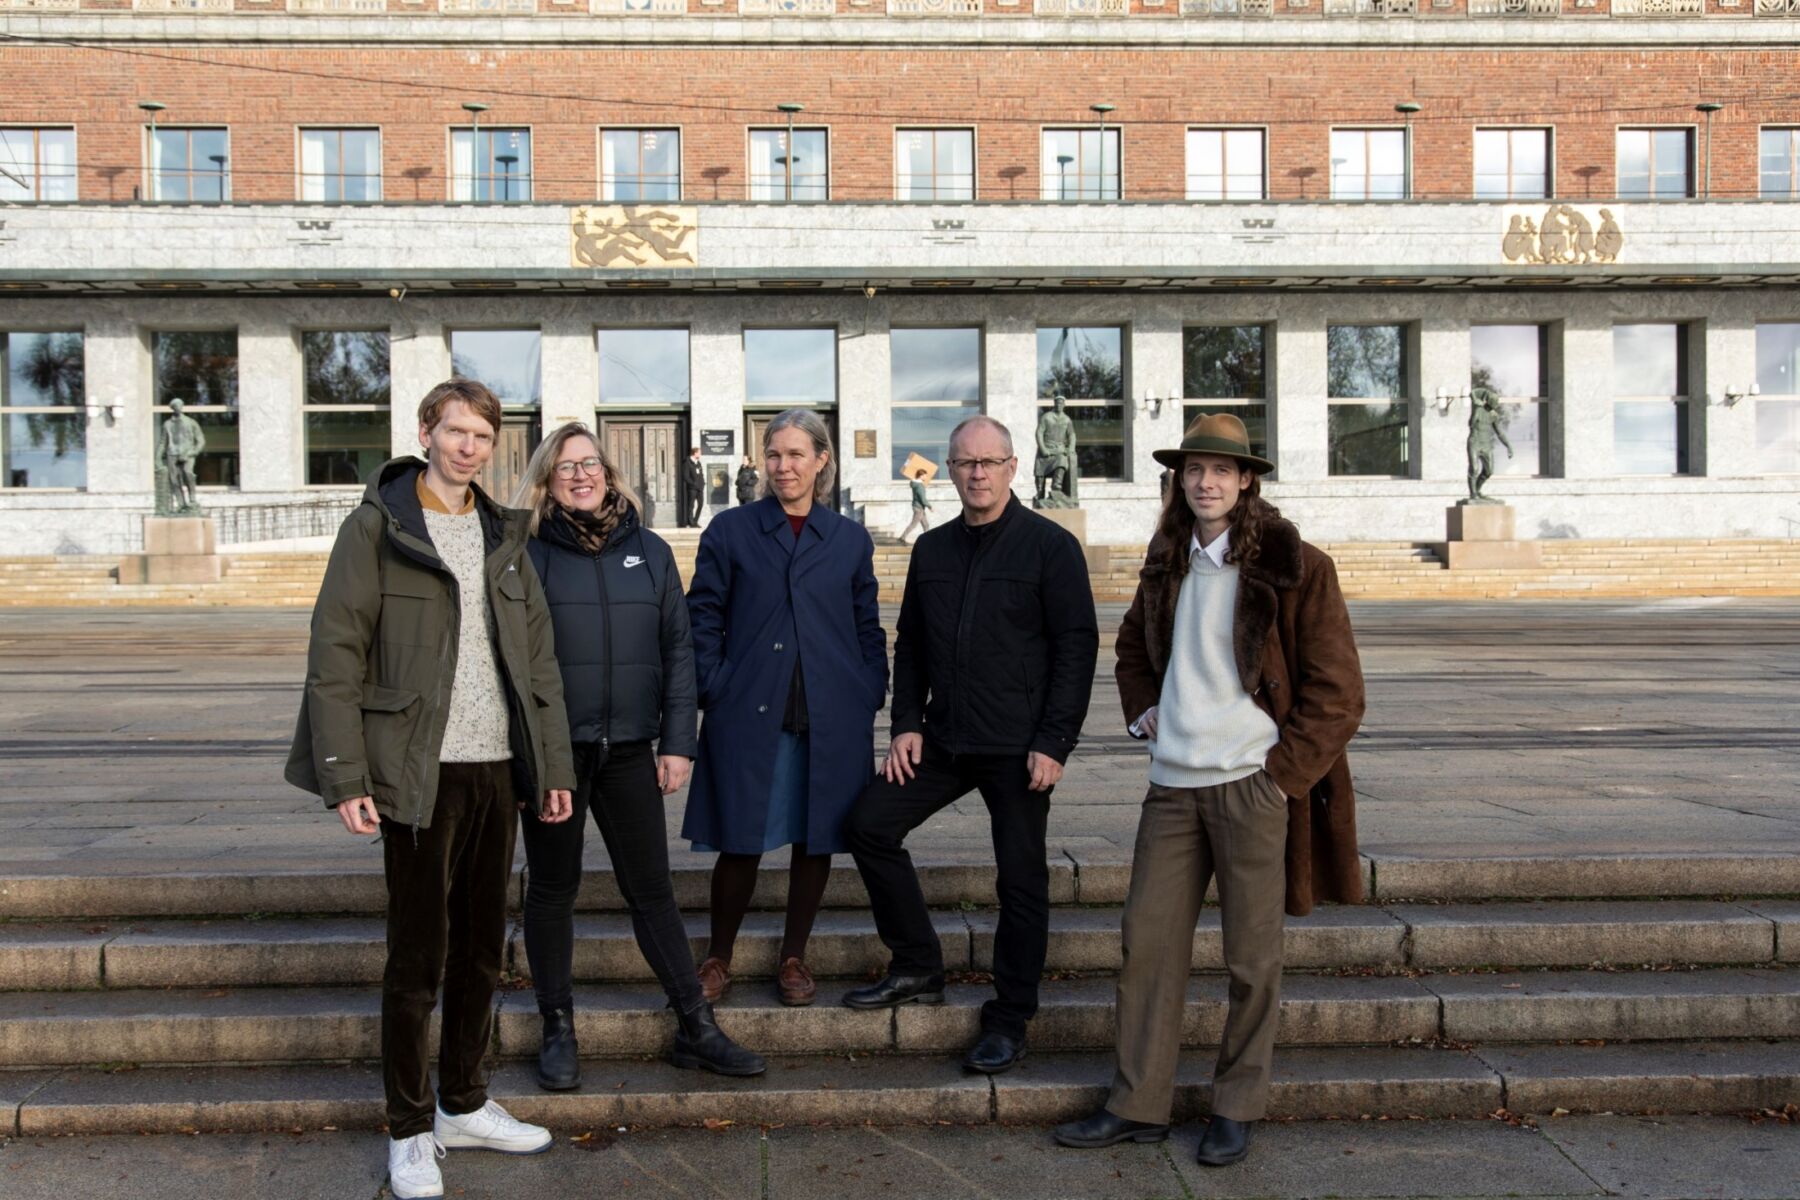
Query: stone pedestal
1481, 537
1099, 558
176, 550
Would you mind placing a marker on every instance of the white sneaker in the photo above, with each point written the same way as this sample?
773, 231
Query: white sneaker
412, 1167
490, 1127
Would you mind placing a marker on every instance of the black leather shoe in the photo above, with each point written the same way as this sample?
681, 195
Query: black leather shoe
559, 1062
896, 990
701, 1045
994, 1053
1226, 1141
1104, 1129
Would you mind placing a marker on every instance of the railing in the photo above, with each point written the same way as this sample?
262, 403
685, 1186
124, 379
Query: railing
279, 522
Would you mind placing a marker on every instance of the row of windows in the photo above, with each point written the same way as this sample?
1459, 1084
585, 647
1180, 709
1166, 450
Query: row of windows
494, 164
938, 379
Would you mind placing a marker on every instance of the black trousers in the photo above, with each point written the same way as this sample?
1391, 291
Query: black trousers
691, 507
446, 921
876, 832
627, 805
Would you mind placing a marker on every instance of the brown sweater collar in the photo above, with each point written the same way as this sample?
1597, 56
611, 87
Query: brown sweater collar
428, 499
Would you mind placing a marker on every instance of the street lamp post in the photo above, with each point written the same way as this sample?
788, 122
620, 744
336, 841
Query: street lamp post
1062, 175
1709, 107
1100, 111
218, 162
506, 162
787, 160
474, 108
152, 107
1406, 109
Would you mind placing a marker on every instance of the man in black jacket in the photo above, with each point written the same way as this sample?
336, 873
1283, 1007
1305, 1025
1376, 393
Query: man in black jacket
993, 664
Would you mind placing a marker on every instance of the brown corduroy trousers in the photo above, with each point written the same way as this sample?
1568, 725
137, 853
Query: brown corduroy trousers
446, 922
1238, 832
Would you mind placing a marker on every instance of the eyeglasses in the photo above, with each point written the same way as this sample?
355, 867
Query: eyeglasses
589, 466
989, 465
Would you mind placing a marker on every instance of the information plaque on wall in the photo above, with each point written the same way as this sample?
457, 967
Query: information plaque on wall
865, 443
717, 441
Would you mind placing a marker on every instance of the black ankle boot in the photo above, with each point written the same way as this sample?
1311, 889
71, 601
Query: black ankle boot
559, 1062
701, 1044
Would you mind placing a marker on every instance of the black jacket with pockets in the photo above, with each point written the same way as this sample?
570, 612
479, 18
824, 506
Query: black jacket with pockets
995, 648
622, 635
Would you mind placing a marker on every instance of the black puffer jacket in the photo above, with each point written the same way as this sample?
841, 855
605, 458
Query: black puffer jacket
621, 635
994, 652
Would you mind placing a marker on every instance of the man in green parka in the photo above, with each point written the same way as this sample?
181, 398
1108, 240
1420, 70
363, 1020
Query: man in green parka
432, 712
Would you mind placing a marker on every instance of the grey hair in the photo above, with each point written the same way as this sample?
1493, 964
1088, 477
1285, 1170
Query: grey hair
813, 426
982, 419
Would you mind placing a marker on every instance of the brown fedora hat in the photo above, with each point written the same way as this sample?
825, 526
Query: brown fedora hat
1214, 433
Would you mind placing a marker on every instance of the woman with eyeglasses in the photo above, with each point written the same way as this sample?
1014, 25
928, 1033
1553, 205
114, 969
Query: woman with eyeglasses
621, 631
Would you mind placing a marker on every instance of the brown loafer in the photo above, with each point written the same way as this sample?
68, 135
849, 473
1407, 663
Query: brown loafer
715, 979
795, 983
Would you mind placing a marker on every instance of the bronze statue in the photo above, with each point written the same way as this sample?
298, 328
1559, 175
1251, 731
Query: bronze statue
1486, 425
180, 444
1055, 468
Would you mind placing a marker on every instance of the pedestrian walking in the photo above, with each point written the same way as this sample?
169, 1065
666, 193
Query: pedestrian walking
993, 666
627, 663
792, 667
746, 482
432, 712
920, 506
1237, 664
693, 490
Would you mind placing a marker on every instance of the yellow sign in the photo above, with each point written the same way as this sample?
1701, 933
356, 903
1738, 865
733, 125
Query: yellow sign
1564, 237
634, 235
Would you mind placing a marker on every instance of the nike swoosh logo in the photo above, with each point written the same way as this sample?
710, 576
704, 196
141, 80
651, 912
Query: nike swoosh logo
632, 560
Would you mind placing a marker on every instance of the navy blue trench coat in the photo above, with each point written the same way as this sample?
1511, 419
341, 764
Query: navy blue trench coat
759, 597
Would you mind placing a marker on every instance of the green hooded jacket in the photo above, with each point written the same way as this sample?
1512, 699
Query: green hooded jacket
382, 658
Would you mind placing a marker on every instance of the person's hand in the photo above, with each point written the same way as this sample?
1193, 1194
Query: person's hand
1146, 724
671, 772
558, 804
903, 758
359, 816
1045, 771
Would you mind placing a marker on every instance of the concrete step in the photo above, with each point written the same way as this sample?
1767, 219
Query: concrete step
320, 952
295, 1025
896, 1090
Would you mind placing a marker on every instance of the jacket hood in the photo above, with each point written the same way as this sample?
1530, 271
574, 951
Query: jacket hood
393, 492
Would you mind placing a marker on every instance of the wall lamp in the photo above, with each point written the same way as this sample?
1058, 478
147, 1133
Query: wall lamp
110, 409
1153, 404
1446, 398
1733, 394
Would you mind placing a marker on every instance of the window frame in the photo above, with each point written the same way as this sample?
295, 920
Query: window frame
160, 410
535, 406
1080, 130
1693, 166
450, 179
750, 176
300, 173
1782, 398
1406, 164
1793, 132
1541, 403
306, 407
37, 162
1549, 132
680, 161
153, 176
79, 409
620, 408
981, 380
1193, 405
1683, 401
974, 164
753, 404
1224, 198
1042, 404
1409, 386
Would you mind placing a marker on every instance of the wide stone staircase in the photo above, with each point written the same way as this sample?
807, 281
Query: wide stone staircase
1367, 571
212, 999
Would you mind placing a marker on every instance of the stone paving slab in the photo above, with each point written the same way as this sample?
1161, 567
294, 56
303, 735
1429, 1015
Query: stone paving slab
1681, 1158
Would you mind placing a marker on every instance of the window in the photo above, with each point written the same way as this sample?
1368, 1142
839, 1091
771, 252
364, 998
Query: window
1086, 366
1512, 164
508, 361
1650, 405
490, 164
190, 165
200, 369
1225, 164
1778, 406
934, 164
790, 368
347, 413
1513, 362
936, 376
340, 165
43, 422
1222, 370
645, 368
1368, 424
640, 165
36, 164
777, 174
1368, 164
1656, 164
1080, 164
1780, 164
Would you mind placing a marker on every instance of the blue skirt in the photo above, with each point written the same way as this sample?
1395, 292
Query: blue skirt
788, 791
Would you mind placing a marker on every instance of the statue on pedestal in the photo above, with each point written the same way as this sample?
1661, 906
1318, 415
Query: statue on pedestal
178, 445
1055, 469
1487, 424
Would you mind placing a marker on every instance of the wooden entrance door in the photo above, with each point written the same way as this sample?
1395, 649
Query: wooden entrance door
647, 454
519, 436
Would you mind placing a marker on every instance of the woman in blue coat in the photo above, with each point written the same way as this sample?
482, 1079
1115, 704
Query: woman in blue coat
791, 662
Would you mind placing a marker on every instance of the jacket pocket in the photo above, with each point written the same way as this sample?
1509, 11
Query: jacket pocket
390, 720
409, 610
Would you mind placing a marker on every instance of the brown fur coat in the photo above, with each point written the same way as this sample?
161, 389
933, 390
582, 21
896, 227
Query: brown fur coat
1297, 658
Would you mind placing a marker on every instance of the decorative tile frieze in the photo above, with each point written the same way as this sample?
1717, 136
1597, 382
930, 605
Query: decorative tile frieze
645, 8
1227, 8
181, 6
1083, 8
1659, 8
39, 5
339, 8
1515, 8
1371, 8
934, 8
468, 8
787, 8
1778, 8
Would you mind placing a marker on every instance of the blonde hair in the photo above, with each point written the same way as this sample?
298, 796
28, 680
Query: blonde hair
813, 426
533, 492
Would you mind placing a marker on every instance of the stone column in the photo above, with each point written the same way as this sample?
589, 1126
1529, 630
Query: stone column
271, 438
1443, 364
1723, 442
571, 368
116, 366
419, 360
1012, 388
1155, 361
865, 394
1584, 393
1297, 393
716, 372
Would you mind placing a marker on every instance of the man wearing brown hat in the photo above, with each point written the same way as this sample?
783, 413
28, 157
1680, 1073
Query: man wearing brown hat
1237, 663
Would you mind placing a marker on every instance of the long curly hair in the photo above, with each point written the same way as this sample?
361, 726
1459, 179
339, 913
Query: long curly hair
1249, 518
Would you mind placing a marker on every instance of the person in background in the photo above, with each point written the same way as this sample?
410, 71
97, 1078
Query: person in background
746, 482
920, 506
693, 489
628, 682
791, 661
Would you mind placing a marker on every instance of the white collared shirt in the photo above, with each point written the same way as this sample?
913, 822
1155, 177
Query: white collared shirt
1215, 549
